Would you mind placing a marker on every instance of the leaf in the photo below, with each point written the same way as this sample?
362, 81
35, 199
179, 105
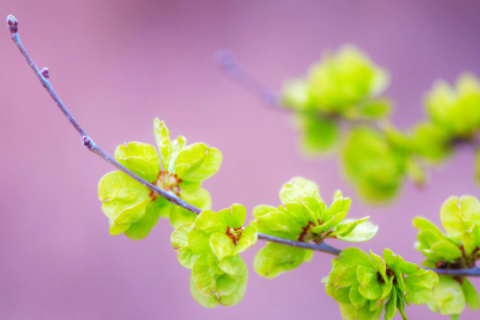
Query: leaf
162, 136
221, 245
198, 241
179, 240
355, 297
234, 217
275, 259
459, 215
362, 232
207, 302
247, 239
278, 221
226, 285
298, 212
204, 278
262, 210
124, 200
298, 188
230, 265
420, 286
471, 294
391, 306
140, 158
140, 229
447, 251
376, 109
197, 162
208, 222
318, 134
177, 145
369, 285
237, 295
448, 297
333, 222
180, 216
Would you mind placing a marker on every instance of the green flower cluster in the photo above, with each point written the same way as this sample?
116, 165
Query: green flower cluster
364, 285
459, 248
210, 247
454, 115
343, 85
304, 217
132, 208
377, 162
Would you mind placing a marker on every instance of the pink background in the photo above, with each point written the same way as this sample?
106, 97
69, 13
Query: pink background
118, 64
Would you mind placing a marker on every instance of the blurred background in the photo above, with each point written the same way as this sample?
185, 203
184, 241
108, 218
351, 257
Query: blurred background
118, 64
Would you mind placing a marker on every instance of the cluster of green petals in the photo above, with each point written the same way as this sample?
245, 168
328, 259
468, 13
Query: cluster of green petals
458, 248
365, 286
342, 85
304, 217
453, 115
210, 247
177, 168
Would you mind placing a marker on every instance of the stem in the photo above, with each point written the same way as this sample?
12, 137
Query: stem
90, 145
229, 65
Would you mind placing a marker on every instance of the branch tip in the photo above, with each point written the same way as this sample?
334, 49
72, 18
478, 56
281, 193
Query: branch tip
12, 24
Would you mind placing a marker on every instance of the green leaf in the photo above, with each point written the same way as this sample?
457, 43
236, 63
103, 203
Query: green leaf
221, 245
298, 212
431, 142
237, 295
333, 222
341, 295
262, 210
298, 188
124, 200
197, 162
226, 285
447, 251
180, 216
208, 221
355, 297
420, 286
140, 158
140, 229
369, 286
234, 217
179, 240
278, 221
448, 297
376, 109
459, 215
204, 278
275, 259
471, 294
296, 95
198, 241
208, 302
391, 306
425, 224
247, 239
177, 145
318, 134
230, 265
361, 232
162, 136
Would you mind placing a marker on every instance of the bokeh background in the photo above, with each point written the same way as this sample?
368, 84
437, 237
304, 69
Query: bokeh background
118, 64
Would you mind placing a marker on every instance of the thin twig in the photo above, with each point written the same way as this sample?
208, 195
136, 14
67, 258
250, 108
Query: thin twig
90, 145
12, 24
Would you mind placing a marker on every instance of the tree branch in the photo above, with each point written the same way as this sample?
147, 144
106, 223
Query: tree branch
12, 24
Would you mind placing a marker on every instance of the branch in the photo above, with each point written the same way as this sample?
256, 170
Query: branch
43, 76
12, 24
